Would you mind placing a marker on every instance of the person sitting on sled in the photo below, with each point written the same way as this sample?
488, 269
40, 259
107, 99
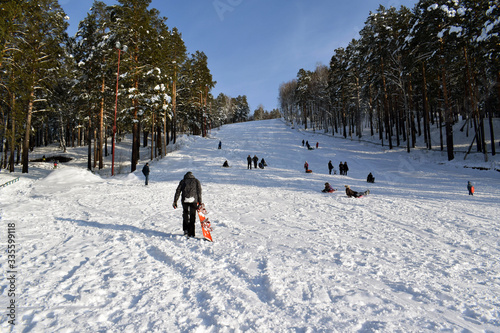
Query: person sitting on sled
370, 178
328, 188
350, 193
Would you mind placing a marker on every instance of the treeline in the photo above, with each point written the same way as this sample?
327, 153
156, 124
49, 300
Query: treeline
261, 114
124, 63
409, 70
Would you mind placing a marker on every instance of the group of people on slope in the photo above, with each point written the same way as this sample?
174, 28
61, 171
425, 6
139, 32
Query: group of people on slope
256, 162
343, 168
190, 192
348, 191
306, 143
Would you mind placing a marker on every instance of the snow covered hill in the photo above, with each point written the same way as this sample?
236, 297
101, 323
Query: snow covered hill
101, 254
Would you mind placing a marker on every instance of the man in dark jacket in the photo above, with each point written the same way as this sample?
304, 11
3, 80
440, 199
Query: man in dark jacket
255, 161
190, 187
249, 162
145, 172
330, 167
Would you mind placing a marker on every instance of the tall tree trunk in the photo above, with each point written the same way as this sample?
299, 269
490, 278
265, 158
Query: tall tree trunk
386, 107
12, 134
165, 135
427, 124
62, 137
89, 143
152, 135
492, 133
136, 142
174, 110
447, 109
101, 129
27, 134
95, 148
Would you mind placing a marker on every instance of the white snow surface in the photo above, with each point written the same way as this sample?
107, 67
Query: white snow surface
106, 254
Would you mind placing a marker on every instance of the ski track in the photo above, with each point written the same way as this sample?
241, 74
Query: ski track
107, 255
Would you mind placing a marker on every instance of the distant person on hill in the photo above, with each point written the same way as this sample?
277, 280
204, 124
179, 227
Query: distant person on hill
302, 143
255, 161
341, 168
350, 193
330, 167
370, 178
306, 166
263, 162
328, 188
308, 145
317, 145
346, 168
220, 144
190, 188
249, 162
470, 188
225, 165
145, 172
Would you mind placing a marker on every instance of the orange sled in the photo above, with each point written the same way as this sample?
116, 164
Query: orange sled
205, 223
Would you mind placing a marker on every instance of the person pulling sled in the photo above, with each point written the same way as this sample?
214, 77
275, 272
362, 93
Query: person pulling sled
190, 188
470, 188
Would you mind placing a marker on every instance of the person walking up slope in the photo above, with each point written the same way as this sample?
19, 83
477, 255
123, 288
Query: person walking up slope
255, 161
145, 172
190, 188
470, 188
330, 167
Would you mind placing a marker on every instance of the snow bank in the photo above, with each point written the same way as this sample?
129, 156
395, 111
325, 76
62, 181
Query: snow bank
416, 255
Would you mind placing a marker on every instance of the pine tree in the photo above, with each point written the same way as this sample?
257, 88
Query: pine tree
44, 31
176, 55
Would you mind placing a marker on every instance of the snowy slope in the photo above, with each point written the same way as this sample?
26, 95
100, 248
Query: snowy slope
102, 254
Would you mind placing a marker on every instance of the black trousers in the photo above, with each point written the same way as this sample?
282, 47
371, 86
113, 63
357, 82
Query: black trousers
189, 218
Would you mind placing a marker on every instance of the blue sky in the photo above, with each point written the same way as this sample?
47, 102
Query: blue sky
255, 45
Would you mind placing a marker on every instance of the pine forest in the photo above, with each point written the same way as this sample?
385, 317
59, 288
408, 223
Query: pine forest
126, 72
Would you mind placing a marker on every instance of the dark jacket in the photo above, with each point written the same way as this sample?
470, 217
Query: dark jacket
350, 193
190, 187
370, 178
145, 170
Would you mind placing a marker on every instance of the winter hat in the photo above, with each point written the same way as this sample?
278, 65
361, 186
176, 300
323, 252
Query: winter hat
347, 186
